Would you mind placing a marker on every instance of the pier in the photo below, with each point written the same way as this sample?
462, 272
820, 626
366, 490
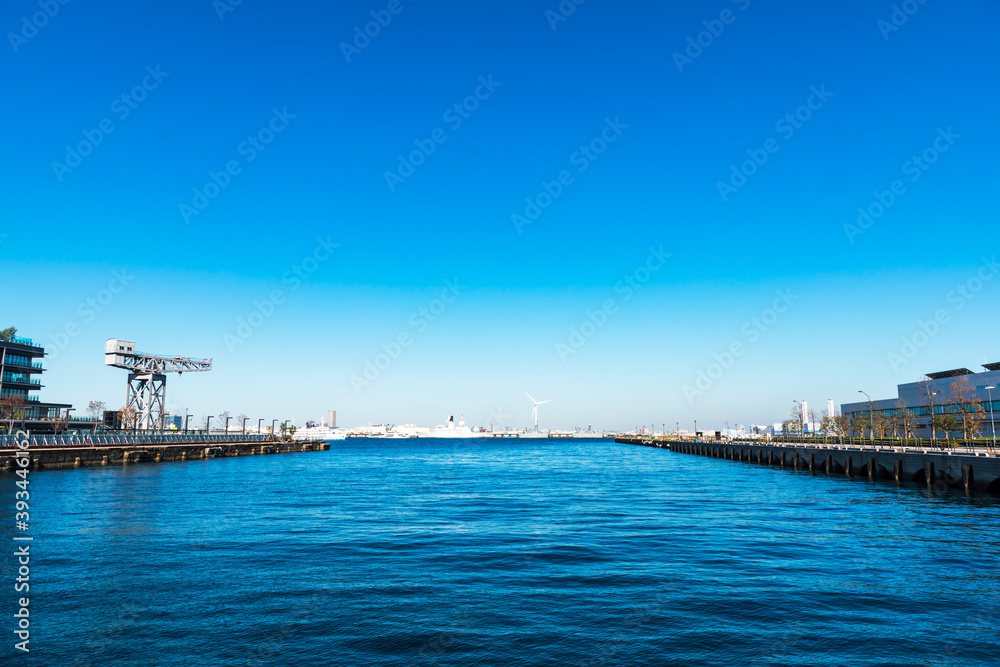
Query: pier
972, 471
60, 452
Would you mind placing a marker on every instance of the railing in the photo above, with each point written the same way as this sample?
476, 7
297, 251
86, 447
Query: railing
944, 444
10, 441
17, 340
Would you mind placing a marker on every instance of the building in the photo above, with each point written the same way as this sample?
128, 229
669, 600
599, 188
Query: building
936, 395
20, 369
331, 418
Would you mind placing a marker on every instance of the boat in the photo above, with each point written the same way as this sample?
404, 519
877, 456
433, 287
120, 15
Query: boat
319, 433
449, 430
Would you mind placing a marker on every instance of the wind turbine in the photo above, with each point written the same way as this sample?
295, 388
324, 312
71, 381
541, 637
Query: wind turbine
534, 409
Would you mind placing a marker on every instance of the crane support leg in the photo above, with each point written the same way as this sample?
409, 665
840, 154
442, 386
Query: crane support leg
147, 393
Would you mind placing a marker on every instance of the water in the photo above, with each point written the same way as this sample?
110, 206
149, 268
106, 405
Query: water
428, 552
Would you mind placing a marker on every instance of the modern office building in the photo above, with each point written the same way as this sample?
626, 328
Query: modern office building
20, 369
331, 418
936, 395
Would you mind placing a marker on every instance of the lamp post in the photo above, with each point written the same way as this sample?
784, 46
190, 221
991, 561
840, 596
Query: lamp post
802, 417
186, 418
227, 424
208, 425
259, 422
871, 416
274, 423
243, 429
989, 393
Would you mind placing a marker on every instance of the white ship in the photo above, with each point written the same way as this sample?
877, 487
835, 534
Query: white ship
449, 430
319, 433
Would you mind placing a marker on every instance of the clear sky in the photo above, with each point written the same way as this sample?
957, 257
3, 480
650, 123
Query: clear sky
270, 157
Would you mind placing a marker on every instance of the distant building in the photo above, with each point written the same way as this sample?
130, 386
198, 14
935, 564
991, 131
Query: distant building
936, 392
331, 418
175, 423
19, 371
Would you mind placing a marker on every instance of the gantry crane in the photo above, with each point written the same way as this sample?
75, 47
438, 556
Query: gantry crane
147, 380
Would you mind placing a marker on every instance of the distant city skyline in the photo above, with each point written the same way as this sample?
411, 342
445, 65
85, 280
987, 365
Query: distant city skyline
647, 214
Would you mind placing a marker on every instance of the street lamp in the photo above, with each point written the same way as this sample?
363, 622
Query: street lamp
227, 424
243, 429
274, 427
259, 422
871, 416
186, 418
208, 425
989, 393
802, 415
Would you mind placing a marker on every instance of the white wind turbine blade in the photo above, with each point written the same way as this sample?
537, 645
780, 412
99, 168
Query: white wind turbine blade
541, 402
529, 396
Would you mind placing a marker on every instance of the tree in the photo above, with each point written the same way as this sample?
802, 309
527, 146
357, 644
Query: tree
946, 423
12, 409
60, 421
904, 420
791, 426
8, 333
858, 422
927, 395
95, 410
970, 412
881, 423
291, 431
284, 429
129, 418
222, 418
241, 421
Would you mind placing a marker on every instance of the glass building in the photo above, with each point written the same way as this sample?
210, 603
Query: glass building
20, 371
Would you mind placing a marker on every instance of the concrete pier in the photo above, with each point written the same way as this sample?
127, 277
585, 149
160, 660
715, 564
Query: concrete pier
935, 469
53, 458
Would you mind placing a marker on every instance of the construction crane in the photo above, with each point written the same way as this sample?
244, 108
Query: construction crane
147, 380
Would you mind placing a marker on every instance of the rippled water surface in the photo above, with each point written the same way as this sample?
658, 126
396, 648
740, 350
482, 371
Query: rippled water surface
427, 552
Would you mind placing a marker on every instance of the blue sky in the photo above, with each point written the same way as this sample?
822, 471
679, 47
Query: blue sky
599, 100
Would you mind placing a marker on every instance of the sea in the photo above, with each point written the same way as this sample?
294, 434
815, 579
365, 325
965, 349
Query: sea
498, 552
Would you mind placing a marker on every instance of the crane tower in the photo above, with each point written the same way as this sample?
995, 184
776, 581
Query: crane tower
147, 380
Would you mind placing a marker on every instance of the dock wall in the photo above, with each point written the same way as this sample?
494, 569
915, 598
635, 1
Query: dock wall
76, 457
938, 470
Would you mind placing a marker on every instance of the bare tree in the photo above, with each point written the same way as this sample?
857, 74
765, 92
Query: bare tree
60, 421
927, 395
129, 418
858, 422
969, 411
12, 410
241, 421
95, 410
222, 418
904, 421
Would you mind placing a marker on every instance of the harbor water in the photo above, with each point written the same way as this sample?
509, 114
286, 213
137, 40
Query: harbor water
501, 552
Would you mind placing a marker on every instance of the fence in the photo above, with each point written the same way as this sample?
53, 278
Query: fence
10, 441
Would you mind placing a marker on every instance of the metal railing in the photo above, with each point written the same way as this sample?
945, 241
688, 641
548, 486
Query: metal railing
10, 441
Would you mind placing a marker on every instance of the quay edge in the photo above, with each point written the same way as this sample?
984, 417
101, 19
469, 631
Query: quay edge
55, 458
938, 470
